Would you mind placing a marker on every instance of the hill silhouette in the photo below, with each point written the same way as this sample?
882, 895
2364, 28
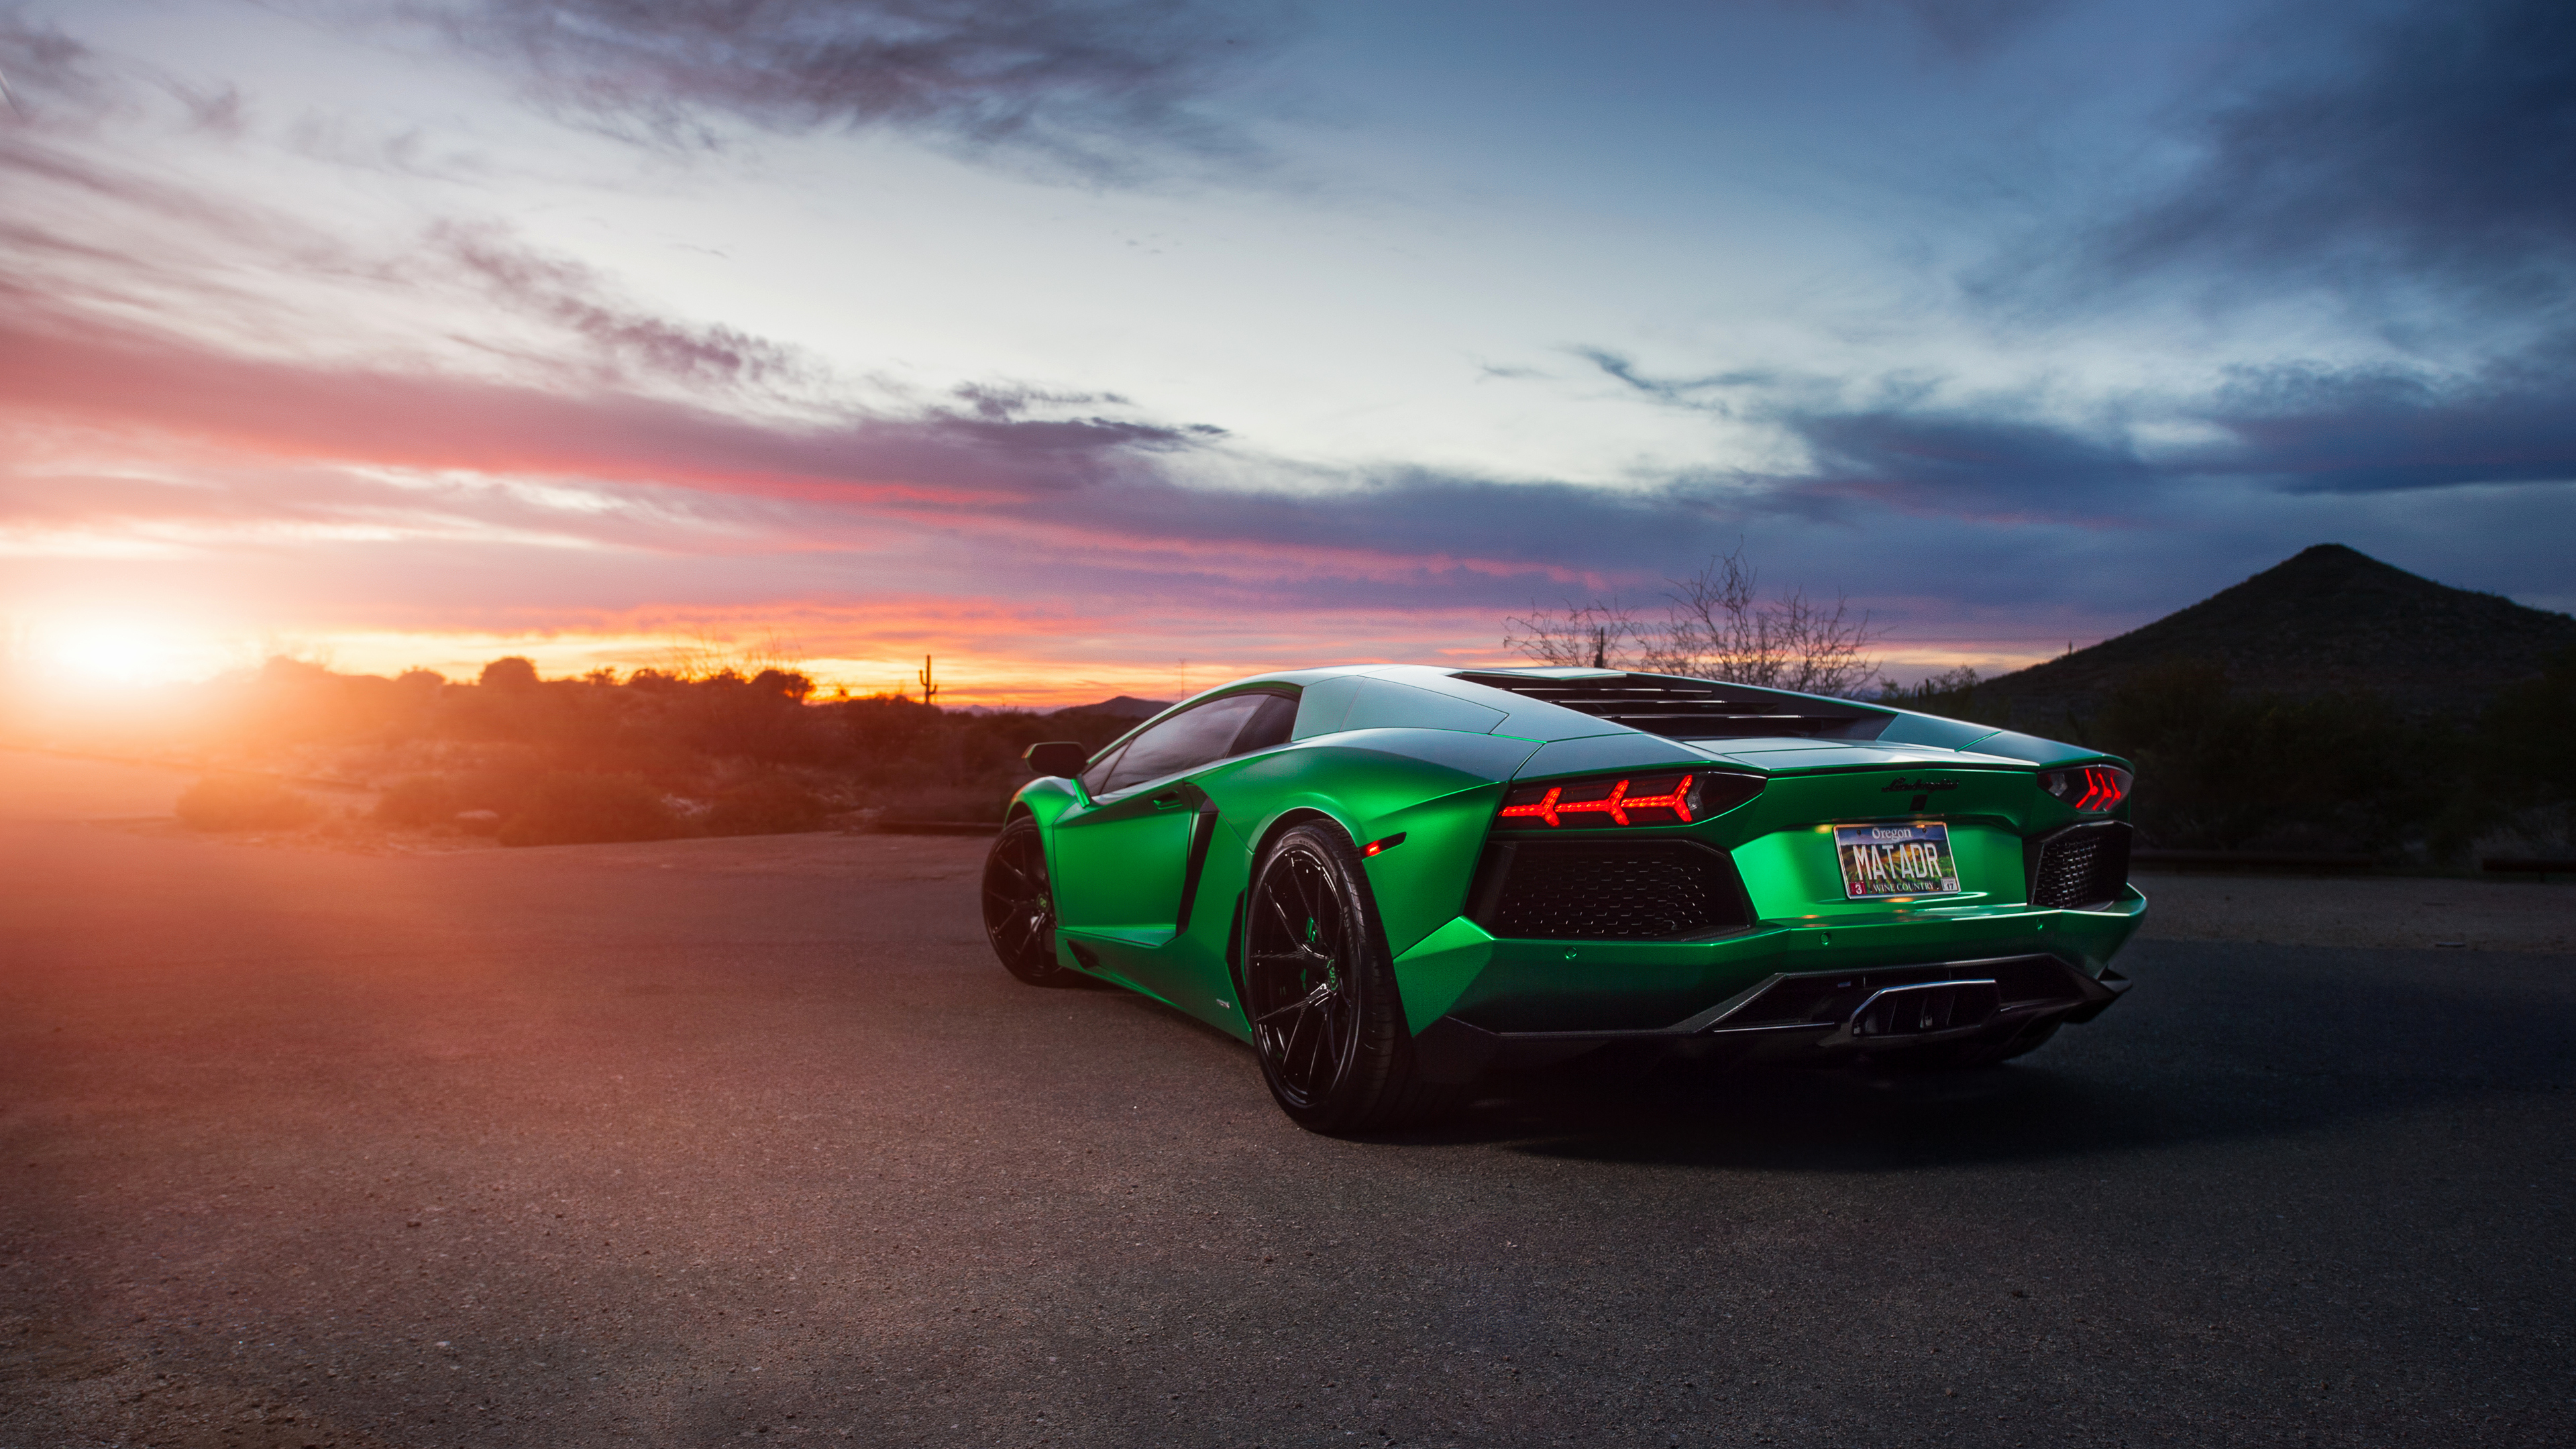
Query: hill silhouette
2329, 620
1125, 706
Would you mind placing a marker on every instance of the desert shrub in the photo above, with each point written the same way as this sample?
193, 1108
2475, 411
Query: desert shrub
474, 801
760, 718
1955, 694
2522, 781
570, 809
243, 802
513, 672
2228, 770
919, 762
505, 789
2520, 745
890, 728
774, 806
1092, 728
418, 800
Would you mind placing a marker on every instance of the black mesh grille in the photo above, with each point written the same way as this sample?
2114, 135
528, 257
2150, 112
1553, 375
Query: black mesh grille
2082, 865
1692, 709
1606, 890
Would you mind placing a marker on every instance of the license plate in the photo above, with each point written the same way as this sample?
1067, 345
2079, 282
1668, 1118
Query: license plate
1883, 861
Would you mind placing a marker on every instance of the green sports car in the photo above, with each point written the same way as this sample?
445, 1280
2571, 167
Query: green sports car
1391, 880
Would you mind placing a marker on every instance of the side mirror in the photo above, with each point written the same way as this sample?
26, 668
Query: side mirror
1058, 757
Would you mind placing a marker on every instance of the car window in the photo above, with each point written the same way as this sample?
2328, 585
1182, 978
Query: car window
1185, 741
1269, 726
1095, 780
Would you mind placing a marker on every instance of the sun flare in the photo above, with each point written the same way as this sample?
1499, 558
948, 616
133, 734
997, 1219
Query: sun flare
103, 652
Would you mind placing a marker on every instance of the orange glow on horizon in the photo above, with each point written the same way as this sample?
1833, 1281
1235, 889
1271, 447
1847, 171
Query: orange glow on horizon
988, 653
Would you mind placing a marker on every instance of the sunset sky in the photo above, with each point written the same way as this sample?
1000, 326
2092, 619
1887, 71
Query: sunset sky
1133, 345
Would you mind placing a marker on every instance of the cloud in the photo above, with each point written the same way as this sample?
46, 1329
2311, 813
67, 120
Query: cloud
1974, 27
1105, 89
1708, 393
1000, 412
2295, 429
1089, 482
622, 340
221, 111
45, 67
567, 410
450, 419
997, 480
2438, 142
2285, 430
1963, 465
88, 230
94, 235
2314, 430
563, 409
392, 487
1035, 476
71, 367
1966, 29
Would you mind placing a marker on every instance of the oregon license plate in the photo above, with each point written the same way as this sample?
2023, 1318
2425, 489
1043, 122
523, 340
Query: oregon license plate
1880, 861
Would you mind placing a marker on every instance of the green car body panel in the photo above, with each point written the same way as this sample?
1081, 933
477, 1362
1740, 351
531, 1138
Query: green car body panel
1148, 878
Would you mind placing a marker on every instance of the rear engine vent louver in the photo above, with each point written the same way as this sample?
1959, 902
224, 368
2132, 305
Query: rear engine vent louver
1692, 709
2082, 865
1606, 890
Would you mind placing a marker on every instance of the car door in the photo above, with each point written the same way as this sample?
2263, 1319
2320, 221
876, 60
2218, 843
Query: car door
1125, 859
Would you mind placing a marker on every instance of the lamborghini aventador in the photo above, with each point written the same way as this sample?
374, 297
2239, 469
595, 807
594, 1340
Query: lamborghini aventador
1391, 881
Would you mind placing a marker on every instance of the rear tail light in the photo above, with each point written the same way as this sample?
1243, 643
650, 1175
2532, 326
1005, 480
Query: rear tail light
2091, 789
1609, 801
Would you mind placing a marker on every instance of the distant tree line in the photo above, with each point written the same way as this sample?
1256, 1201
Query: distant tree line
651, 755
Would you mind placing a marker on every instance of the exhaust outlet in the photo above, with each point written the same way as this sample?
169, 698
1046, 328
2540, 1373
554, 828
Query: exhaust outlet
1926, 1011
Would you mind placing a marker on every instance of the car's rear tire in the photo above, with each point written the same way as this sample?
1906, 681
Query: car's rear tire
1319, 990
1019, 907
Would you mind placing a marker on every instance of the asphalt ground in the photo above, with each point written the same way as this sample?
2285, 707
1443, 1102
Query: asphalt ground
749, 1140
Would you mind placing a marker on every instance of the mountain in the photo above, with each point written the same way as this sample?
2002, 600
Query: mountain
2330, 619
1125, 706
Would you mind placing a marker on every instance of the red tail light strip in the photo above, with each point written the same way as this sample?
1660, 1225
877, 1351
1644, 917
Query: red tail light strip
2089, 788
1616, 804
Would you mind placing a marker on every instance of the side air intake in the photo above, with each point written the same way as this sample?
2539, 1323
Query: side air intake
2081, 866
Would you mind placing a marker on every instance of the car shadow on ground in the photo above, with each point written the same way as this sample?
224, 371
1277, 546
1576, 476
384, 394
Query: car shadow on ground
1819, 1120
2220, 1041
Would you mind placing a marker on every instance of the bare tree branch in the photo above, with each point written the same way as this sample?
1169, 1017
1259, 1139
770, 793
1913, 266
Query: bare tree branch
1716, 626
1596, 635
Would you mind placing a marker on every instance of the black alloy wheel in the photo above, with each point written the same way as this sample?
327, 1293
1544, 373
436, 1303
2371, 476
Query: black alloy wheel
1019, 907
1320, 994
